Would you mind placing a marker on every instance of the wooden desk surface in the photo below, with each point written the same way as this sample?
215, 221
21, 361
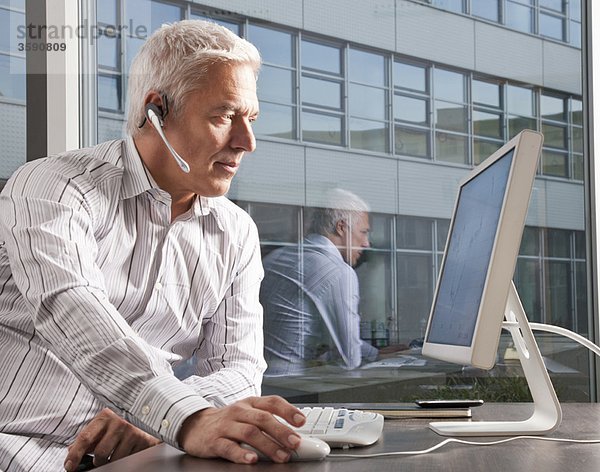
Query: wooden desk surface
580, 421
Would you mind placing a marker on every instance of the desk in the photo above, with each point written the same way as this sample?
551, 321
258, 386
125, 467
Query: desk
581, 421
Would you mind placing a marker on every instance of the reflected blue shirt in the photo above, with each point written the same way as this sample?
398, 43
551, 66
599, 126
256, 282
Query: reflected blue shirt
310, 297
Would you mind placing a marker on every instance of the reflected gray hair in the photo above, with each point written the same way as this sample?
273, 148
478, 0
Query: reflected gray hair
176, 59
342, 205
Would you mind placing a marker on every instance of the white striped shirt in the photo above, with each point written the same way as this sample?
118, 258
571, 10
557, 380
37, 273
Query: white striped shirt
101, 294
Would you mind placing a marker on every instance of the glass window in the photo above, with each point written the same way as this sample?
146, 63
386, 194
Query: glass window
450, 116
558, 243
321, 57
410, 76
275, 46
276, 84
575, 33
369, 135
451, 148
529, 285
411, 141
530, 242
275, 120
366, 67
482, 149
577, 139
415, 292
452, 5
106, 11
108, 51
233, 27
487, 9
109, 95
149, 14
578, 169
414, 233
11, 36
552, 26
410, 109
276, 223
558, 293
521, 101
321, 128
577, 112
519, 17
367, 102
555, 163
325, 93
487, 124
553, 108
557, 5
486, 93
516, 124
12, 77
449, 85
554, 136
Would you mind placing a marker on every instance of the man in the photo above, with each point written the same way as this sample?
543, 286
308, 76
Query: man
116, 265
310, 294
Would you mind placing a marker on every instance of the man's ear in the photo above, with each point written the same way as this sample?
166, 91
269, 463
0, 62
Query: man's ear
341, 227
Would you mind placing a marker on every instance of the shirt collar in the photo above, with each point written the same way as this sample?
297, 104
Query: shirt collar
324, 244
136, 178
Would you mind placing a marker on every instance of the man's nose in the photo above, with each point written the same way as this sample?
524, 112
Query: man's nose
243, 137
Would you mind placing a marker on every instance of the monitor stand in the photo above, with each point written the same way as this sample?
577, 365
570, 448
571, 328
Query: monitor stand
547, 413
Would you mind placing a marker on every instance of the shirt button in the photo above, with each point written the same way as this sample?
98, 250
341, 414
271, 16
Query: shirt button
165, 424
145, 410
158, 286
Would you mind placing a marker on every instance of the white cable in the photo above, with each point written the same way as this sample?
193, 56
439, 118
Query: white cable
460, 441
569, 334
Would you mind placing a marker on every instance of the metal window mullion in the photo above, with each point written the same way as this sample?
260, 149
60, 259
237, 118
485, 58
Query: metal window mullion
346, 100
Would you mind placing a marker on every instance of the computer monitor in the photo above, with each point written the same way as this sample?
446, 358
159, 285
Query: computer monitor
475, 296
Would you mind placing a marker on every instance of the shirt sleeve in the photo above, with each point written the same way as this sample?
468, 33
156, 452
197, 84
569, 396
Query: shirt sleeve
230, 360
48, 222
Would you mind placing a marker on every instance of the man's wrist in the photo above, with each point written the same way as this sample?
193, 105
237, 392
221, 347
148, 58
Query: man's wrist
188, 425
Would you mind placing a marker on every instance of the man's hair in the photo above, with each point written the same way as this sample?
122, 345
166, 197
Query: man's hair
175, 61
342, 205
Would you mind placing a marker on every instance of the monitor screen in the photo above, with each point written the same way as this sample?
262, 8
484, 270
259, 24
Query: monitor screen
481, 252
468, 255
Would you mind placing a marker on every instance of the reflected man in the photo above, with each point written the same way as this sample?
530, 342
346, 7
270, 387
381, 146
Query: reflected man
310, 295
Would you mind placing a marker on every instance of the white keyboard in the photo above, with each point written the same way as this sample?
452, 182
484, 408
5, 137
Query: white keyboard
340, 427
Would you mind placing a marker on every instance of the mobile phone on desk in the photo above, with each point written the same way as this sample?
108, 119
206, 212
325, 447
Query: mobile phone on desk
448, 403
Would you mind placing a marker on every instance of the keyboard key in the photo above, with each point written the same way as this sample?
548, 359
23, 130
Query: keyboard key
339, 423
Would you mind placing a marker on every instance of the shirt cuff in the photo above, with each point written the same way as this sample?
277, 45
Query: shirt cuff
164, 404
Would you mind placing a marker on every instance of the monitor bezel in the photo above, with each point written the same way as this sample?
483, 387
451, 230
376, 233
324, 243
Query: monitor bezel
482, 351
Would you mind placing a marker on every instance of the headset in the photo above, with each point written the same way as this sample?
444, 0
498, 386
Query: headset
155, 115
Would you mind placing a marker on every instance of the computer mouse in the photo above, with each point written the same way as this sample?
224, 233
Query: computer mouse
310, 449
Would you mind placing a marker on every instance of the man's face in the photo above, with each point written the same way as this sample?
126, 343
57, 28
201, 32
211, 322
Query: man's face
214, 129
357, 237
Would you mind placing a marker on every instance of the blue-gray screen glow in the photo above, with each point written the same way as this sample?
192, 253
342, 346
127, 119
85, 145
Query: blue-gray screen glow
468, 255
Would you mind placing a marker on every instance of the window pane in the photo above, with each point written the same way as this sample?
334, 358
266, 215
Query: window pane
450, 116
275, 46
557, 5
483, 149
324, 93
410, 76
12, 77
577, 139
108, 93
520, 101
443, 226
558, 243
578, 167
575, 9
577, 112
487, 9
132, 47
581, 297
516, 124
449, 85
275, 120
558, 294
106, 11
276, 223
552, 26
415, 292
366, 67
150, 15
553, 108
528, 283
554, 136
414, 233
14, 3
486, 93
530, 242
108, 53
233, 27
371, 135
412, 142
487, 124
11, 24
275, 84
413, 110
321, 128
452, 5
451, 148
555, 163
575, 33
321, 57
367, 102
519, 17
580, 249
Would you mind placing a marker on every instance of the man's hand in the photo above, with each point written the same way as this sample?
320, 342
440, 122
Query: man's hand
107, 436
218, 432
